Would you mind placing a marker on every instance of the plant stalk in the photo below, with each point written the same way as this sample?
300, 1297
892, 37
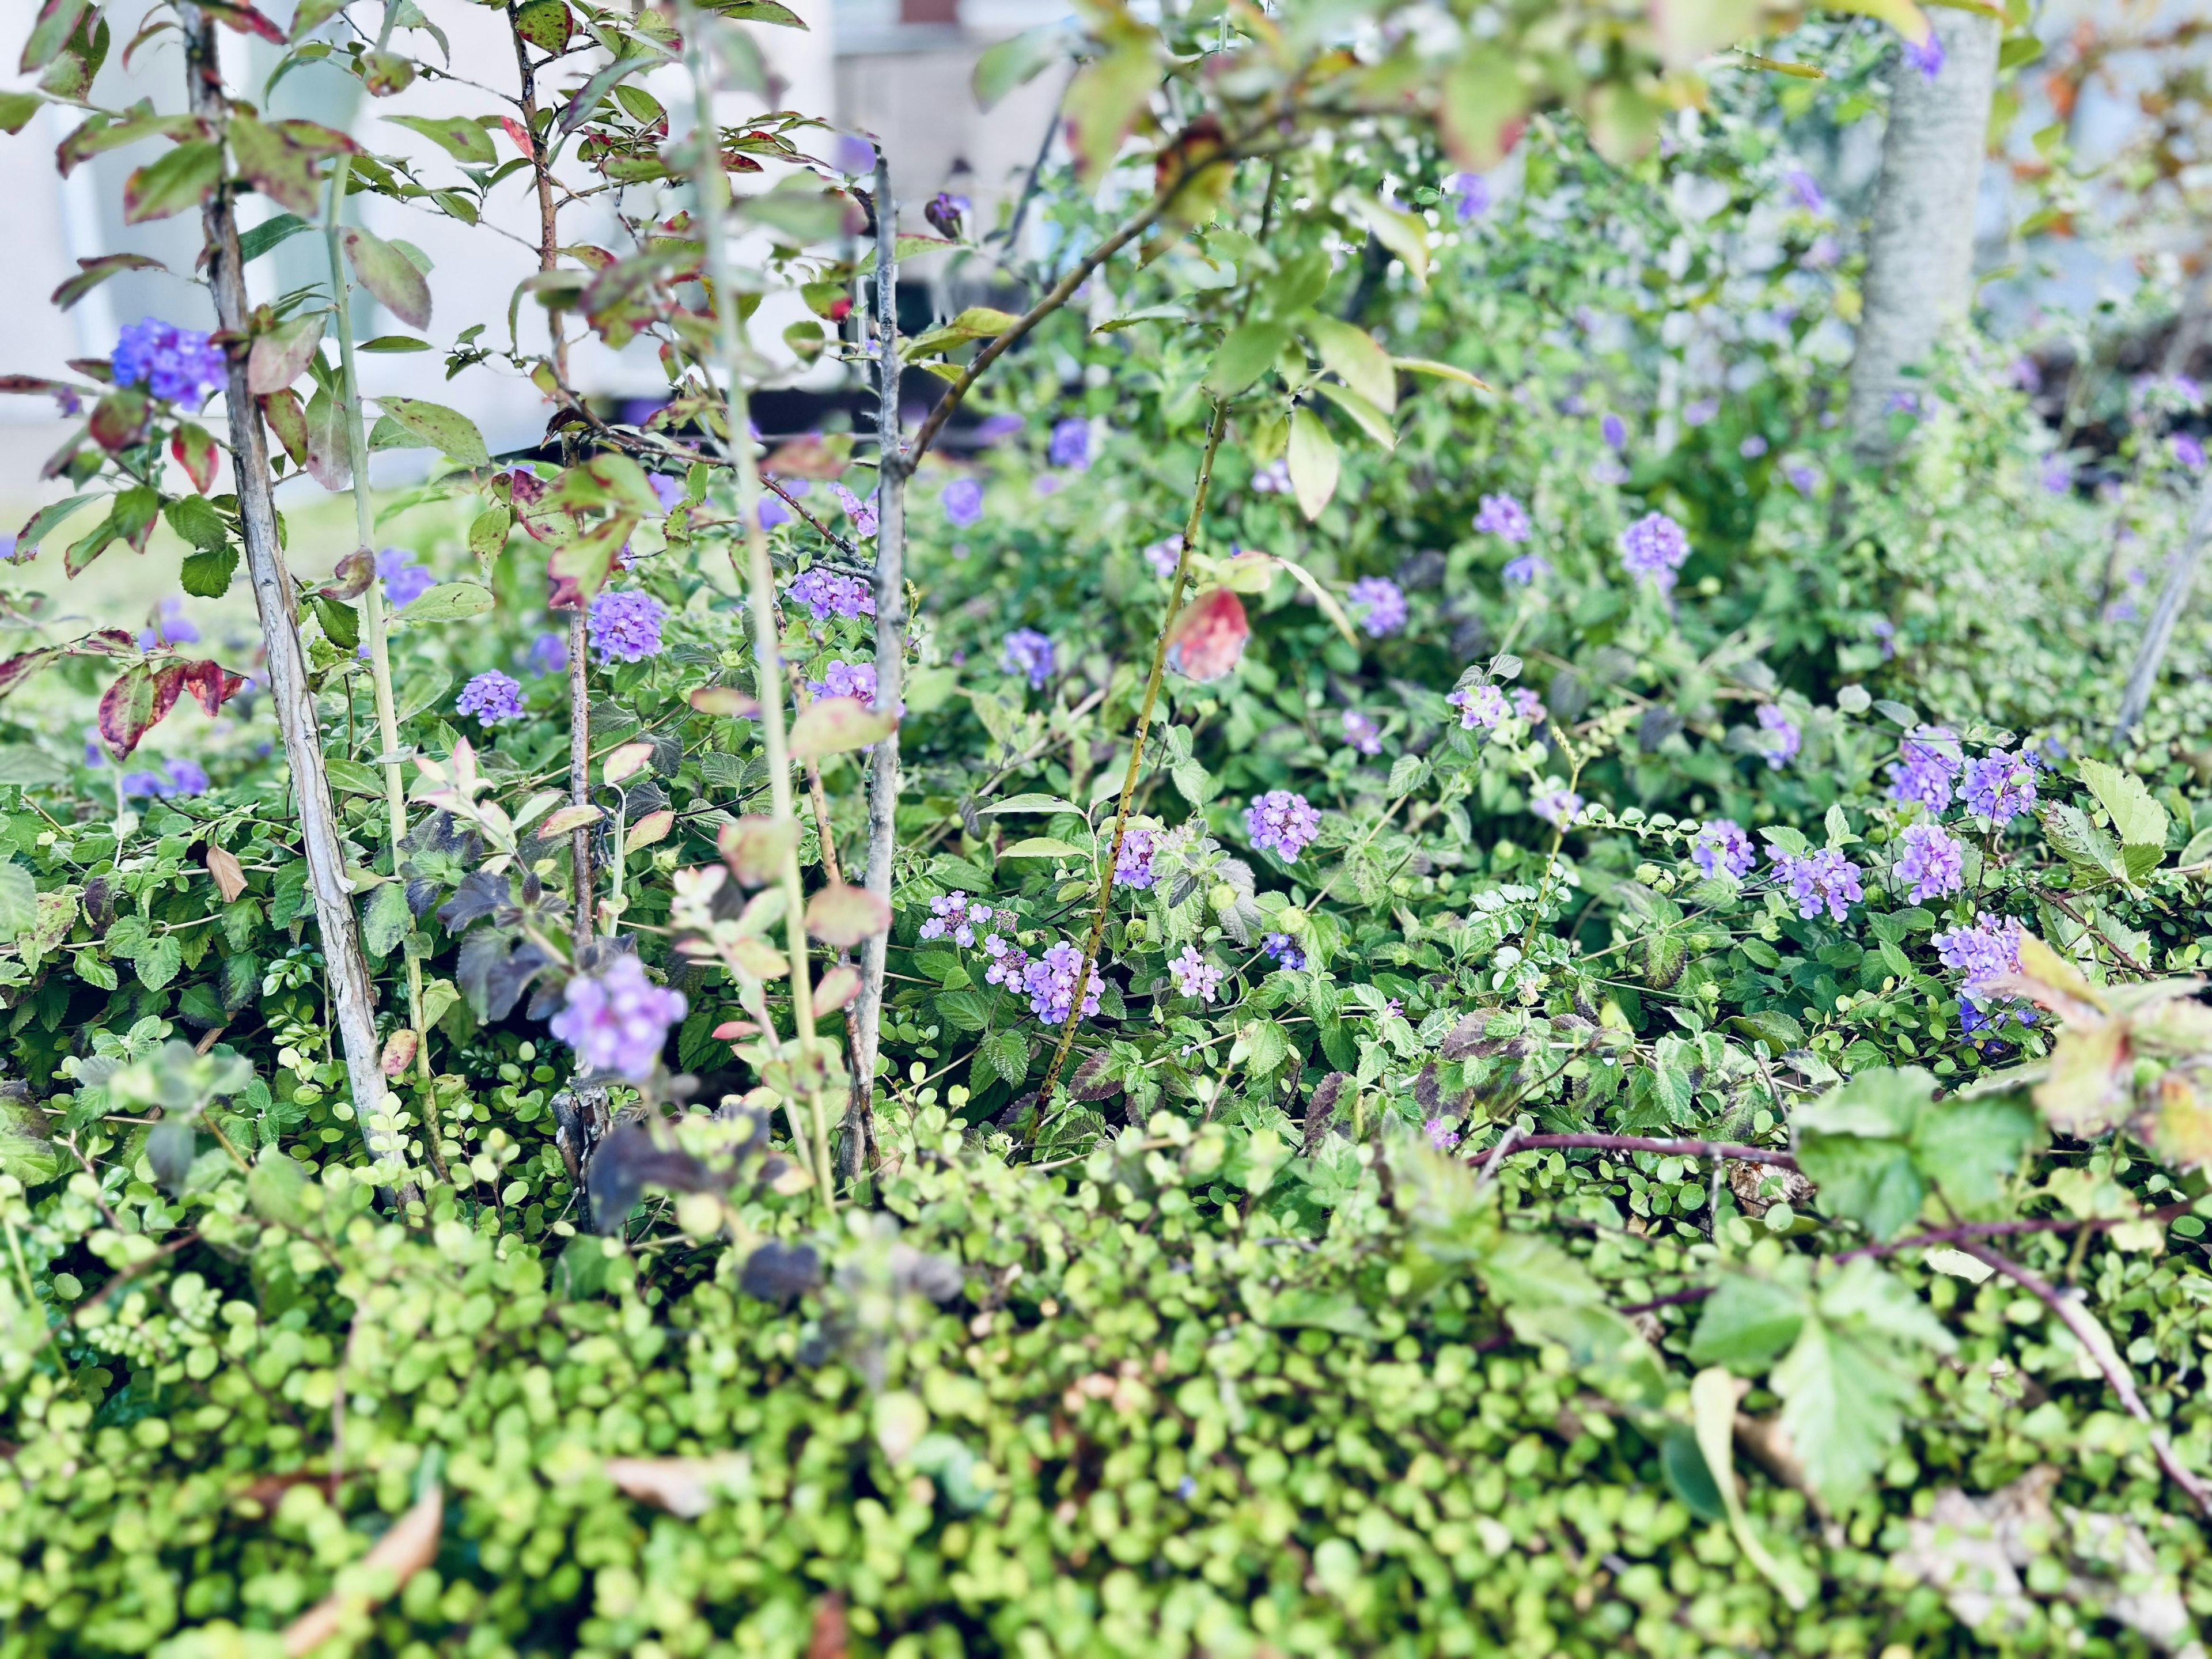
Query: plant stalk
2181, 578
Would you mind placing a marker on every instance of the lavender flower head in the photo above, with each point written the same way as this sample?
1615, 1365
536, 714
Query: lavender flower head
1528, 568
667, 490
548, 653
2188, 450
1615, 431
1752, 448
1195, 976
1070, 444
862, 514
963, 502
1503, 517
1471, 196
1802, 478
830, 593
177, 778
1361, 734
1653, 549
1282, 823
956, 916
1165, 554
1931, 860
1050, 981
626, 625
1926, 55
1556, 804
2057, 475
1930, 761
845, 679
1804, 189
1820, 881
1479, 705
618, 1021
1272, 479
404, 580
1028, 653
1527, 706
1442, 1136
1722, 849
1783, 738
180, 365
2000, 786
171, 627
492, 697
1379, 604
1983, 952
1282, 951
1134, 868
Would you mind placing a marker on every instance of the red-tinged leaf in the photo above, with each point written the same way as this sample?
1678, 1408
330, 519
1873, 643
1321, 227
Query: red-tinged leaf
91, 273
732, 1030
520, 135
837, 987
649, 831
835, 724
580, 569
726, 701
57, 21
568, 818
312, 15
230, 876
287, 421
809, 457
43, 523
16, 670
243, 20
119, 420
391, 276
351, 577
624, 760
194, 447
1207, 640
385, 73
754, 848
546, 25
280, 356
398, 1053
210, 683
30, 385
846, 915
134, 704
106, 643
280, 168
173, 183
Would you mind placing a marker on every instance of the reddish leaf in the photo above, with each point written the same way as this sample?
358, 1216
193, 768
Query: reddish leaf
245, 20
229, 877
755, 847
119, 420
210, 683
726, 701
1208, 638
350, 579
837, 987
520, 135
107, 642
289, 421
134, 704
280, 356
835, 724
731, 1030
91, 273
652, 828
193, 445
390, 275
398, 1053
846, 915
16, 670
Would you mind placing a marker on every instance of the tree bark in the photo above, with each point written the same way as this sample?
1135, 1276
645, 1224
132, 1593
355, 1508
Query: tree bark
1920, 256
352, 996
891, 471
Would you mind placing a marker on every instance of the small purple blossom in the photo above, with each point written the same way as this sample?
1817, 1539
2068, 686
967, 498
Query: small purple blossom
1195, 976
862, 514
1783, 738
1701, 412
1983, 952
2188, 450
170, 627
1804, 189
1272, 479
1802, 478
667, 490
1379, 604
1282, 822
1471, 196
1608, 470
626, 625
1481, 704
830, 593
2057, 475
404, 580
180, 365
618, 1021
1931, 860
1527, 706
1653, 549
1134, 868
548, 653
1070, 445
1442, 1136
1721, 848
492, 697
1931, 762
1824, 879
1361, 734
963, 500
1165, 554
1282, 951
845, 679
852, 154
1528, 568
772, 512
1615, 431
1029, 653
1503, 517
2000, 786
177, 778
1050, 981
1926, 55
1752, 447
1556, 804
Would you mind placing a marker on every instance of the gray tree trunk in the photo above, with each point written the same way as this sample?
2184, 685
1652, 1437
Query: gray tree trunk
1920, 252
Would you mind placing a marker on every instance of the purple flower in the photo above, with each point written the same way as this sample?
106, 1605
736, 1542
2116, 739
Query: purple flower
404, 580
1281, 822
1783, 739
177, 778
1481, 704
2057, 475
1441, 1135
1134, 866
492, 697
548, 653
1803, 190
626, 625
187, 777
1028, 653
1503, 517
1272, 479
772, 512
1653, 549
1926, 55
1701, 412
1529, 706
2188, 450
830, 593
2026, 374
1471, 196
1379, 604
1282, 951
1614, 430
1983, 952
845, 679
1752, 447
1824, 879
963, 502
1070, 444
1885, 630
1050, 981
1802, 478
852, 154
1165, 554
997, 429
862, 514
1929, 859
1931, 760
2000, 786
618, 1021
176, 365
1608, 470
1195, 976
1361, 734
1721, 848
959, 916
170, 627
1556, 806
1528, 568
667, 490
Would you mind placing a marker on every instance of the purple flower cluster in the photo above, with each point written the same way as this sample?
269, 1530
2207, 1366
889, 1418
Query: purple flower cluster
1929, 764
1283, 823
1824, 879
1050, 981
177, 778
1479, 705
1195, 976
1653, 549
1783, 738
492, 697
1929, 859
1134, 868
1722, 849
1379, 604
618, 1021
956, 916
171, 627
1804, 189
626, 625
1442, 1136
845, 679
1926, 55
177, 365
2188, 450
1983, 952
404, 580
1999, 786
1029, 653
830, 593
1361, 734
548, 653
1282, 951
963, 500
1272, 479
1556, 806
1503, 517
1070, 444
1470, 196
1615, 431
862, 514
1165, 554
1527, 706
1528, 568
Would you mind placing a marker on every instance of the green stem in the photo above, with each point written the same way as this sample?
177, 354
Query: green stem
712, 187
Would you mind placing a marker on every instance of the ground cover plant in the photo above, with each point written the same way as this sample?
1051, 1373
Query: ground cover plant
1387, 946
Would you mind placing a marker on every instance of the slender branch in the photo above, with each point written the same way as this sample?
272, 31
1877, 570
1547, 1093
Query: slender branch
1648, 1143
2097, 927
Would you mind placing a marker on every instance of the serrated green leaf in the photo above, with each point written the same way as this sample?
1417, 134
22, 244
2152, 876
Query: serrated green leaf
445, 429
1044, 847
2138, 818
1747, 1321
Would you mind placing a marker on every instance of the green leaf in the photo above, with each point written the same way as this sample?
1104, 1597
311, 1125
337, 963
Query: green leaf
1303, 1308
16, 109
449, 602
1370, 420
459, 137
392, 277
1969, 1148
1406, 234
1043, 847
1354, 357
1034, 804
341, 623
1854, 1145
2138, 819
385, 918
546, 24
159, 962
268, 235
1006, 1053
443, 428
57, 21
174, 182
1246, 354
757, 11
1016, 61
1482, 97
206, 573
800, 213
1104, 100
351, 777
1747, 1321
395, 342
1314, 463
19, 901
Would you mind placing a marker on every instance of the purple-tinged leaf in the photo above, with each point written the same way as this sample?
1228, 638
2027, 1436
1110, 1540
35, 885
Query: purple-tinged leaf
846, 915
391, 276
